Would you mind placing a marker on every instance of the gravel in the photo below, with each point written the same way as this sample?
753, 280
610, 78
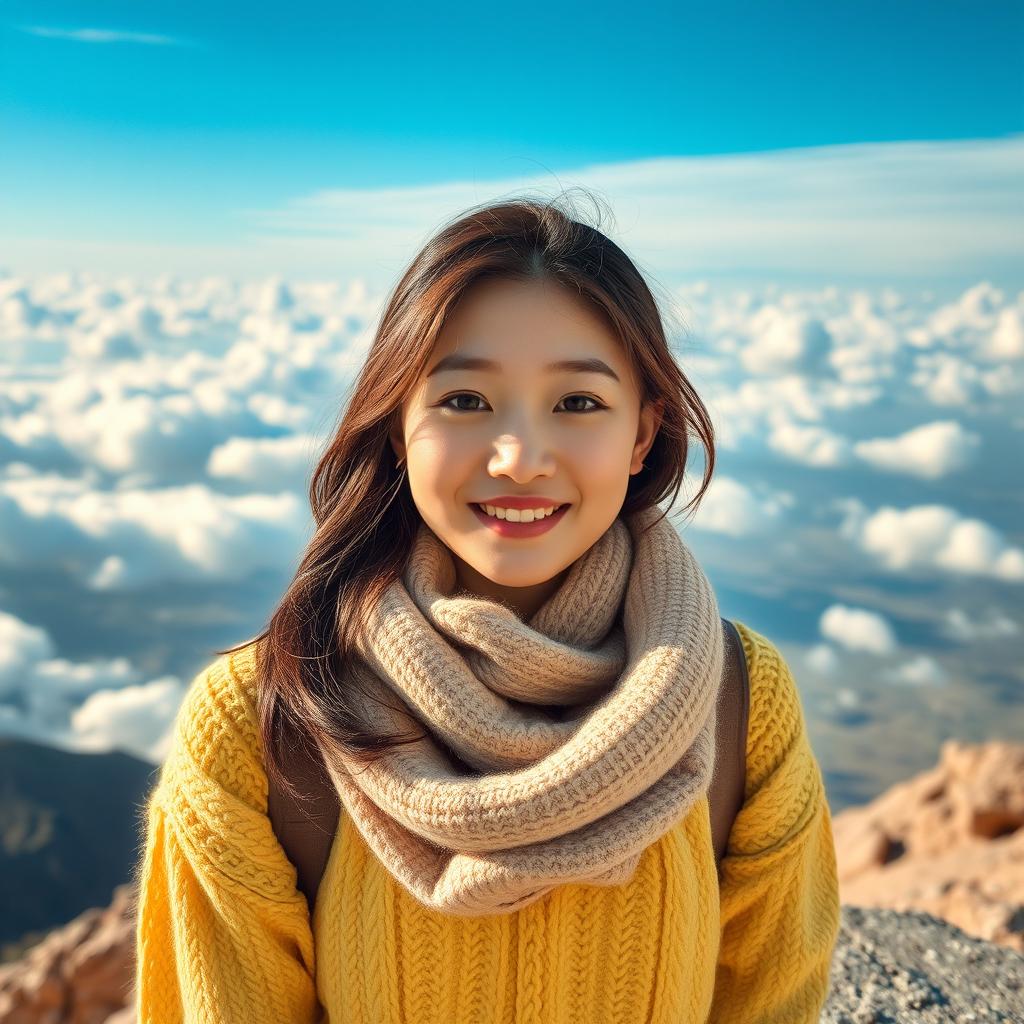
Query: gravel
896, 966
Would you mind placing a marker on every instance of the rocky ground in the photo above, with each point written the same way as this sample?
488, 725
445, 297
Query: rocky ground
908, 966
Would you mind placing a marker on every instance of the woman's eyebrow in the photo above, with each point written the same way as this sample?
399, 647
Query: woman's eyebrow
459, 361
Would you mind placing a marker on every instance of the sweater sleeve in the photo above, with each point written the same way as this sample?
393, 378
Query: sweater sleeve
222, 933
779, 896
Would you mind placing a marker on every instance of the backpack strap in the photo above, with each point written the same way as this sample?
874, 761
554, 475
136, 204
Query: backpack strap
725, 795
307, 830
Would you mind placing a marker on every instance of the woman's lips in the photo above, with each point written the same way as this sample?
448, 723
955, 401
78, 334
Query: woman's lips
504, 528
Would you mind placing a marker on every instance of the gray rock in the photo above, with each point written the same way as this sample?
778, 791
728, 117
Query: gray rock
893, 966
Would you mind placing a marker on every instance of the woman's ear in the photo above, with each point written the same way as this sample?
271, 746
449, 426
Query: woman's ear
650, 422
658, 411
397, 441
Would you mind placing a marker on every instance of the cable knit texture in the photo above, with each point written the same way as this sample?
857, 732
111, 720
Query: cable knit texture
581, 736
224, 935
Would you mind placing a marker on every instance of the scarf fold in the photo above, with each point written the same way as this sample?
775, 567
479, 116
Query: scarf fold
553, 750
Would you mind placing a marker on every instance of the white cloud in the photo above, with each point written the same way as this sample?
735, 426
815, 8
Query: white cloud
867, 345
767, 405
847, 698
136, 719
83, 706
59, 679
900, 213
822, 658
102, 35
786, 341
53, 689
21, 646
968, 319
948, 379
857, 629
959, 624
731, 507
929, 451
922, 670
1007, 339
133, 537
934, 537
265, 462
811, 445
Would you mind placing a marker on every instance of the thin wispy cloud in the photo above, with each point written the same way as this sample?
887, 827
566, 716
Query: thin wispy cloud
900, 214
102, 35
896, 209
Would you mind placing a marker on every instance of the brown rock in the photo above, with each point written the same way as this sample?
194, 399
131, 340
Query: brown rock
947, 842
79, 974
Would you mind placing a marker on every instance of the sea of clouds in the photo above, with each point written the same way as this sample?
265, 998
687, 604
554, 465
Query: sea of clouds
157, 437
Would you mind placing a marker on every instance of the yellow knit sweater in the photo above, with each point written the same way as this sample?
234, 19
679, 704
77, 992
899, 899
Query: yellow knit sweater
224, 935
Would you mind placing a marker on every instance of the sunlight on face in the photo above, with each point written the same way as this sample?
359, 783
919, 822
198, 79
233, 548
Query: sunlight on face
568, 435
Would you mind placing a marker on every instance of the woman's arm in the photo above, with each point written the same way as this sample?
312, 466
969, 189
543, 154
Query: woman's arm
780, 907
222, 934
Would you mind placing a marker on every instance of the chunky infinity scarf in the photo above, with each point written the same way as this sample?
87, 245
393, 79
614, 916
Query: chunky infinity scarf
558, 748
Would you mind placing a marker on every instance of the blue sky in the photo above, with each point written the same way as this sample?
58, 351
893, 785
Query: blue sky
184, 127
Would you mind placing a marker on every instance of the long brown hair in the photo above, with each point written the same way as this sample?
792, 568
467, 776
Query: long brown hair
365, 517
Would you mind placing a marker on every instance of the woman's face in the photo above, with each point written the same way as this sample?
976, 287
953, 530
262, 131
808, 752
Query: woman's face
562, 435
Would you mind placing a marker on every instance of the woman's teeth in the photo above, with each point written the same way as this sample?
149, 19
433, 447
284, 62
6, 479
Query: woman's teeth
515, 515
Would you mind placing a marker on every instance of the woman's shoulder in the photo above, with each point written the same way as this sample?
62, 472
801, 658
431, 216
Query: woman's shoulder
213, 785
784, 794
776, 725
216, 734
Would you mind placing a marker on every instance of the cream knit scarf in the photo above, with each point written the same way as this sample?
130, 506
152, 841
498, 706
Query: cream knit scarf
558, 748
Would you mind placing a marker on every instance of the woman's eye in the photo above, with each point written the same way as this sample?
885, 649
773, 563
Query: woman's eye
452, 398
586, 398
444, 404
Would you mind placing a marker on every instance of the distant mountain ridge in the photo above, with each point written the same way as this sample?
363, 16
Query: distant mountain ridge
69, 833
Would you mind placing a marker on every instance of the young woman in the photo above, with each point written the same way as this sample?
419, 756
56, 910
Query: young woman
507, 661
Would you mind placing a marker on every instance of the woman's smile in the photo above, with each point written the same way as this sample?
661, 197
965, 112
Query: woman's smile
510, 528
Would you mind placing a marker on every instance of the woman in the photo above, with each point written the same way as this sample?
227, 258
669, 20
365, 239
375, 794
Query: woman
516, 708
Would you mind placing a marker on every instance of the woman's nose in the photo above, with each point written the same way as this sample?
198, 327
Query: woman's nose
528, 456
